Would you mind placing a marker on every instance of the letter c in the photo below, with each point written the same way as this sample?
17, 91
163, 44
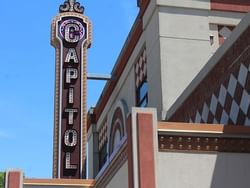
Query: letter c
72, 34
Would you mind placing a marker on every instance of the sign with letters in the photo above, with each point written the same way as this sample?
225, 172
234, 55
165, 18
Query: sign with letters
71, 36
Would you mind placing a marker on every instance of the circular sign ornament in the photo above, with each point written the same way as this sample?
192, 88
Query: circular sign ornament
72, 30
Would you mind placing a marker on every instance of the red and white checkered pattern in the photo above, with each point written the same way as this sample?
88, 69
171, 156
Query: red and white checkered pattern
141, 68
230, 103
102, 135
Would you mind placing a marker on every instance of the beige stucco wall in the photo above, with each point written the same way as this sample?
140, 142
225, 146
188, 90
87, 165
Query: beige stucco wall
177, 37
124, 91
125, 88
120, 179
177, 42
152, 42
189, 170
185, 47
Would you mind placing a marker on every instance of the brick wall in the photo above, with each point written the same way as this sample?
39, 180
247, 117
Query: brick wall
223, 96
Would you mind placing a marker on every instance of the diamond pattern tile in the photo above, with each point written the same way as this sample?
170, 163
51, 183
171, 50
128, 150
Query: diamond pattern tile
102, 135
141, 68
232, 104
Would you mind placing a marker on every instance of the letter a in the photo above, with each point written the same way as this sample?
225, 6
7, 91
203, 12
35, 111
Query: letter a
71, 56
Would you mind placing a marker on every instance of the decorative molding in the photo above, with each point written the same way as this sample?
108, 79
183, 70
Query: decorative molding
203, 138
202, 128
117, 124
229, 103
71, 6
59, 182
141, 68
113, 167
103, 134
211, 143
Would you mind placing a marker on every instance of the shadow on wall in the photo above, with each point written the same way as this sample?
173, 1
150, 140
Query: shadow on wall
232, 170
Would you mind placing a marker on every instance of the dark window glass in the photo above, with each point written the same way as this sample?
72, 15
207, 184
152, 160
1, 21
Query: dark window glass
103, 156
142, 95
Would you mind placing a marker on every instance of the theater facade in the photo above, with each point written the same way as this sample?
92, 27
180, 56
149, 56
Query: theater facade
175, 112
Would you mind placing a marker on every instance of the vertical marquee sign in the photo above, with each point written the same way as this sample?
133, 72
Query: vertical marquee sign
71, 36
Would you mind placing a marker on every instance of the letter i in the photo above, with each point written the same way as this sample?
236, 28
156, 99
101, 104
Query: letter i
71, 95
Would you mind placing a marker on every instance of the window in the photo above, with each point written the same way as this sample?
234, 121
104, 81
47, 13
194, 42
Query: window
103, 155
142, 95
141, 83
102, 144
117, 139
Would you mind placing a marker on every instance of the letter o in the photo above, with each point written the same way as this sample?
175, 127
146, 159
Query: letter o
70, 138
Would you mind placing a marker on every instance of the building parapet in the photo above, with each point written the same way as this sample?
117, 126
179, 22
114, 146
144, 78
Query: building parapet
59, 182
190, 137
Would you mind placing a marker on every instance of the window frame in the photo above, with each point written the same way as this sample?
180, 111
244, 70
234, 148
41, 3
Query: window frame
140, 100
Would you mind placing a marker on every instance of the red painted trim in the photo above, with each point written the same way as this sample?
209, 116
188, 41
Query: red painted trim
145, 142
129, 48
144, 6
230, 5
91, 119
130, 153
202, 128
116, 126
14, 179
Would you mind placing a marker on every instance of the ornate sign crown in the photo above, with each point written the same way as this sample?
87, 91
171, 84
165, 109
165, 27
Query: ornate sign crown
71, 6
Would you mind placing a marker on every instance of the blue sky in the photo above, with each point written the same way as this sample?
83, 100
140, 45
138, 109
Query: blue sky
27, 74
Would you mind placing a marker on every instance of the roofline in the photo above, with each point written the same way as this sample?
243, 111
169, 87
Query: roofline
202, 128
58, 182
120, 65
127, 50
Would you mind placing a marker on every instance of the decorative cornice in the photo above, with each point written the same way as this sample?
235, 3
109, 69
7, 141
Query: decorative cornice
71, 6
209, 143
187, 137
59, 182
